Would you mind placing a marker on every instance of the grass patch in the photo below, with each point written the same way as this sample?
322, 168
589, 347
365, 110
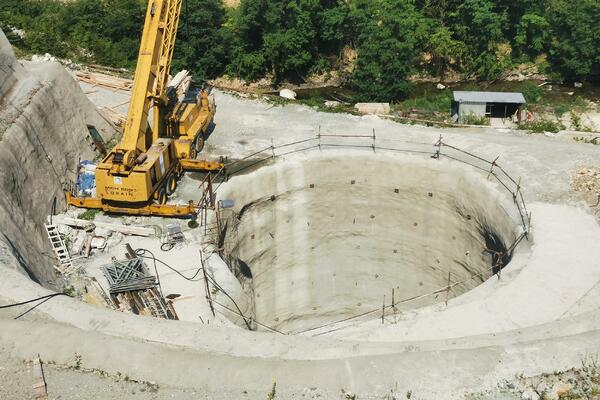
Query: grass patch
313, 102
319, 104
89, 215
273, 393
70, 291
428, 103
277, 100
562, 105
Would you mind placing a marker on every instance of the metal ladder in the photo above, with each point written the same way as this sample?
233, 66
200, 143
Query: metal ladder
65, 263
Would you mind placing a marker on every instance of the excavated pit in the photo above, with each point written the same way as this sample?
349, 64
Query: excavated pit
331, 236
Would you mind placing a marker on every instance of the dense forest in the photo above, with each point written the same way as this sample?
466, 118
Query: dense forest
378, 43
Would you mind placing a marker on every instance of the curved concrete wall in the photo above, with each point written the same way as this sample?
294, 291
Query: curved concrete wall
326, 237
43, 133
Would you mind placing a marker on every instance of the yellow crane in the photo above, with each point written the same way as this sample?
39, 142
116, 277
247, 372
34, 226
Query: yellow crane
161, 135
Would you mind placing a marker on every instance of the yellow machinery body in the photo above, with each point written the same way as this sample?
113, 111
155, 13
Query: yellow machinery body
145, 179
140, 172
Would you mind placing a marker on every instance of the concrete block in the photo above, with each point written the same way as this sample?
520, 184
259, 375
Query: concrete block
372, 108
287, 94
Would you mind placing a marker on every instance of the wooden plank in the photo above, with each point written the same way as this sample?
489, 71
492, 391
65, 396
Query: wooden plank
39, 382
104, 80
125, 229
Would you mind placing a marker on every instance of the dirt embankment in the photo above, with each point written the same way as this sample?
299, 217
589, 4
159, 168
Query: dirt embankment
44, 119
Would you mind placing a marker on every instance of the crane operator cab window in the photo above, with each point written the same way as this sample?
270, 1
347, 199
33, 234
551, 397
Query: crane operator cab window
191, 96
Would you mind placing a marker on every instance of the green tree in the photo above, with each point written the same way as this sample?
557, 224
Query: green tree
391, 36
479, 26
515, 11
203, 44
444, 50
285, 38
575, 34
532, 35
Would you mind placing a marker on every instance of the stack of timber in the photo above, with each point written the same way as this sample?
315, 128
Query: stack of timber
107, 81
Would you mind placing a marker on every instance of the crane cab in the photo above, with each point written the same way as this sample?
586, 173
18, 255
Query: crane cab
189, 121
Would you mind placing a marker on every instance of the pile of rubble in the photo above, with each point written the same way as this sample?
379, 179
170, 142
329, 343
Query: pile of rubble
586, 180
576, 383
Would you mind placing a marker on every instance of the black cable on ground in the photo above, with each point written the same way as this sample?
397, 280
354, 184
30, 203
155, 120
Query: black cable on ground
214, 282
141, 253
32, 308
43, 298
48, 296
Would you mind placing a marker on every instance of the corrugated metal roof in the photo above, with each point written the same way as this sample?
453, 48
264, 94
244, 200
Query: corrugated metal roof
489, 97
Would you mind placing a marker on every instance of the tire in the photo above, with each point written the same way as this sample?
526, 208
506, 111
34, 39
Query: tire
171, 184
199, 144
162, 196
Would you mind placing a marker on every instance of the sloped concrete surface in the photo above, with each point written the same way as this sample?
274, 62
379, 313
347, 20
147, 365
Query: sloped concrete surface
43, 134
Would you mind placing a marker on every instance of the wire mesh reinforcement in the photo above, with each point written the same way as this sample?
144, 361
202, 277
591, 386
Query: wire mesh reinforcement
436, 151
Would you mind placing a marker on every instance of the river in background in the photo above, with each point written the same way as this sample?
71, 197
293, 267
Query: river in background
553, 92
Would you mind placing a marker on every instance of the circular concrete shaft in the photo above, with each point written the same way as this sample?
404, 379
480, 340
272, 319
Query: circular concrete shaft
326, 238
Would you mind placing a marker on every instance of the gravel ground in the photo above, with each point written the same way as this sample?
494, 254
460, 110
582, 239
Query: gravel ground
69, 382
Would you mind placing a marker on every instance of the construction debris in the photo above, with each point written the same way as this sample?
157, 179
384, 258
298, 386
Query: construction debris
108, 69
107, 81
173, 237
132, 288
128, 230
586, 180
332, 103
147, 302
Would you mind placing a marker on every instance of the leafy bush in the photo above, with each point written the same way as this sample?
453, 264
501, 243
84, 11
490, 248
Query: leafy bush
532, 92
561, 109
472, 119
542, 125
